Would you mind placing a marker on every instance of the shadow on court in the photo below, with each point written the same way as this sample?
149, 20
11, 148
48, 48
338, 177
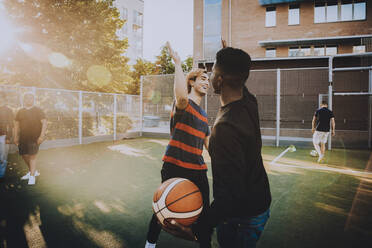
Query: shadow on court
28, 219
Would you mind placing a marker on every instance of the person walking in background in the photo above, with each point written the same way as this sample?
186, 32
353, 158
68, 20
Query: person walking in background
6, 131
321, 127
29, 133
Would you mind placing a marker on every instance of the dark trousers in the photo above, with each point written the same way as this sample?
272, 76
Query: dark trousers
200, 179
242, 232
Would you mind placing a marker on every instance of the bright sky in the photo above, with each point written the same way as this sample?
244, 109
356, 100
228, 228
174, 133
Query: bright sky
168, 20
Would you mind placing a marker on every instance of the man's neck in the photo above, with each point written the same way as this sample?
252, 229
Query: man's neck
229, 96
195, 97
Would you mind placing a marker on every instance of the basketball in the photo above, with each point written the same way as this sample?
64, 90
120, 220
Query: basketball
313, 153
177, 199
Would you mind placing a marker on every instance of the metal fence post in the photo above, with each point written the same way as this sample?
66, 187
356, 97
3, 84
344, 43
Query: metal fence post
141, 105
277, 106
330, 93
330, 69
114, 121
370, 110
80, 117
330, 80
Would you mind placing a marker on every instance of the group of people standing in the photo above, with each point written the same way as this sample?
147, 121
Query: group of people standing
27, 131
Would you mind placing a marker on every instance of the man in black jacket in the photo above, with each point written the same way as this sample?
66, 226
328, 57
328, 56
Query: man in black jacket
241, 190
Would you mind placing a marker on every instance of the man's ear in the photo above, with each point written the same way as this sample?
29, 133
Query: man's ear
220, 80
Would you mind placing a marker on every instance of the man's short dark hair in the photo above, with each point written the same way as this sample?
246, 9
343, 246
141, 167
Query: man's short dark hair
324, 103
235, 63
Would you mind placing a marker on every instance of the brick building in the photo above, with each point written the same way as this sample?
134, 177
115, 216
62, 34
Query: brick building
282, 28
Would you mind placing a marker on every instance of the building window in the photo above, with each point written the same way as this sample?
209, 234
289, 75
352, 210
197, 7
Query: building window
137, 32
212, 28
137, 18
124, 13
293, 52
346, 10
299, 51
270, 52
124, 29
137, 39
332, 11
123, 32
319, 50
294, 14
359, 49
331, 50
359, 10
339, 10
305, 51
319, 12
270, 17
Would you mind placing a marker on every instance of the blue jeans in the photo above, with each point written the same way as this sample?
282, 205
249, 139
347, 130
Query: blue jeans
4, 148
241, 232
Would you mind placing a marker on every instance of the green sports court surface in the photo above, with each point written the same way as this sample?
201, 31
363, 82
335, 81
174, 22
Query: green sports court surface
99, 195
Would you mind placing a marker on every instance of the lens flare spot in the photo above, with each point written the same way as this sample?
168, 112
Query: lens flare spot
36, 51
59, 60
99, 75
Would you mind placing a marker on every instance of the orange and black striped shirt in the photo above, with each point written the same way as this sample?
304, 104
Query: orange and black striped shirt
189, 127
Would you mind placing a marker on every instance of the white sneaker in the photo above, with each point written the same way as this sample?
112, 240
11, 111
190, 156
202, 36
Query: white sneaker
31, 180
320, 159
149, 245
27, 176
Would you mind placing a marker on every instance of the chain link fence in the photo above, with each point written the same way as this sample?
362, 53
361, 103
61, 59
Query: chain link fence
78, 117
287, 100
157, 92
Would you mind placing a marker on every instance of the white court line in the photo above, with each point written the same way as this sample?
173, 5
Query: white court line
346, 171
280, 155
313, 167
290, 148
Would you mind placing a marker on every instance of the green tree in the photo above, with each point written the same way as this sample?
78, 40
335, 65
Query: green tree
187, 64
165, 65
141, 68
164, 62
84, 32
